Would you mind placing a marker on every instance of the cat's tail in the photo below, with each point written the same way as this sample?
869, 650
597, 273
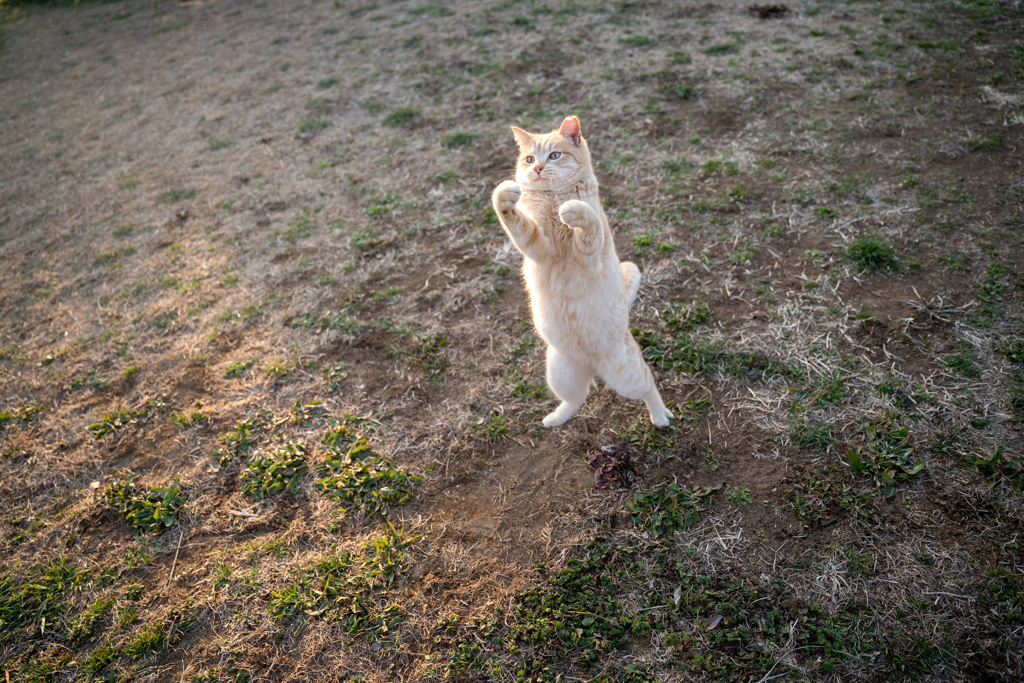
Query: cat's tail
631, 277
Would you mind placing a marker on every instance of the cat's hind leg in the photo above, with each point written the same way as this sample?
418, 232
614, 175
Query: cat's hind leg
628, 375
570, 380
631, 278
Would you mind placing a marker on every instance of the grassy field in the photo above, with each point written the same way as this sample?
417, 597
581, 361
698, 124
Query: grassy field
270, 396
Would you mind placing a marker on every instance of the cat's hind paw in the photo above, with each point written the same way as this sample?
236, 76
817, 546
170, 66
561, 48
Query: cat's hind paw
662, 418
506, 196
561, 415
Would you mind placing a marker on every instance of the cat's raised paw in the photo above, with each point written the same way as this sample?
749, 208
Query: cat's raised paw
506, 196
574, 213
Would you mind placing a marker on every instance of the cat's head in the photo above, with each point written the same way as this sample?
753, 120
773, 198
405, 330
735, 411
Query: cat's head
554, 160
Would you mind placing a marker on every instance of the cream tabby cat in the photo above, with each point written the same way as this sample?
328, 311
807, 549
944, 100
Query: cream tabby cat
579, 292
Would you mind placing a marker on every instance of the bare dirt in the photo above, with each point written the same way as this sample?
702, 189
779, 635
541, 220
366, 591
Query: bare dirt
219, 211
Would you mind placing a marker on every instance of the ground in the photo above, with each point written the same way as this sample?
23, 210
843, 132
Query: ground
270, 396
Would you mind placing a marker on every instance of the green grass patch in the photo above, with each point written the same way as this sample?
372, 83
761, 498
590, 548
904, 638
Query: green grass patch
359, 478
671, 508
237, 368
401, 118
456, 140
146, 510
885, 456
177, 194
311, 125
280, 471
871, 253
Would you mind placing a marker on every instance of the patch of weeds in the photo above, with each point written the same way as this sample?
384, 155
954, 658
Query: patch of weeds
334, 375
1014, 351
215, 144
871, 252
189, 418
85, 622
962, 362
633, 42
676, 168
612, 465
300, 227
522, 387
885, 456
492, 427
428, 354
302, 413
331, 320
281, 471
37, 598
177, 194
357, 477
328, 82
456, 140
148, 638
739, 496
237, 444
350, 589
311, 125
680, 90
25, 414
825, 213
811, 433
687, 353
813, 498
237, 368
720, 49
679, 57
830, 389
664, 511
999, 465
401, 118
380, 205
116, 421
147, 510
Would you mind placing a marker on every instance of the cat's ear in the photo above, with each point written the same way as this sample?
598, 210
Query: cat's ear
523, 139
570, 128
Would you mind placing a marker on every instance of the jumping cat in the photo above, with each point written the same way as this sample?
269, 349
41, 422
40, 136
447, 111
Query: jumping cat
579, 292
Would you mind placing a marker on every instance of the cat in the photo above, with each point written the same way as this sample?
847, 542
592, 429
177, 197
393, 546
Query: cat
579, 292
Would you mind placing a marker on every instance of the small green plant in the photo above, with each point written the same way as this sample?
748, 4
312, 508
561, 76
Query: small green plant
739, 496
811, 433
328, 82
679, 57
237, 368
668, 509
239, 442
177, 194
24, 415
117, 420
401, 118
271, 474
430, 357
311, 125
871, 252
215, 144
188, 418
358, 477
813, 498
825, 213
680, 317
636, 41
331, 320
962, 362
147, 510
492, 427
885, 456
456, 140
334, 375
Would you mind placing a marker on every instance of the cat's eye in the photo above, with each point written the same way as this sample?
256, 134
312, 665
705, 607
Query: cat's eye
555, 155
530, 160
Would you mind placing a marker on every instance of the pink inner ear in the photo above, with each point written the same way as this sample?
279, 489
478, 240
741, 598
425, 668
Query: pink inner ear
570, 129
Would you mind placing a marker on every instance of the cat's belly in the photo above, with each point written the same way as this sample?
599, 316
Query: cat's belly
586, 320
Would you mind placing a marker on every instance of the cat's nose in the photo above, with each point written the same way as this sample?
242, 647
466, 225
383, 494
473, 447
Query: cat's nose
538, 169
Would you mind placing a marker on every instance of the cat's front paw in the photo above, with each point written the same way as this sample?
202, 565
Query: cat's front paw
506, 196
574, 213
